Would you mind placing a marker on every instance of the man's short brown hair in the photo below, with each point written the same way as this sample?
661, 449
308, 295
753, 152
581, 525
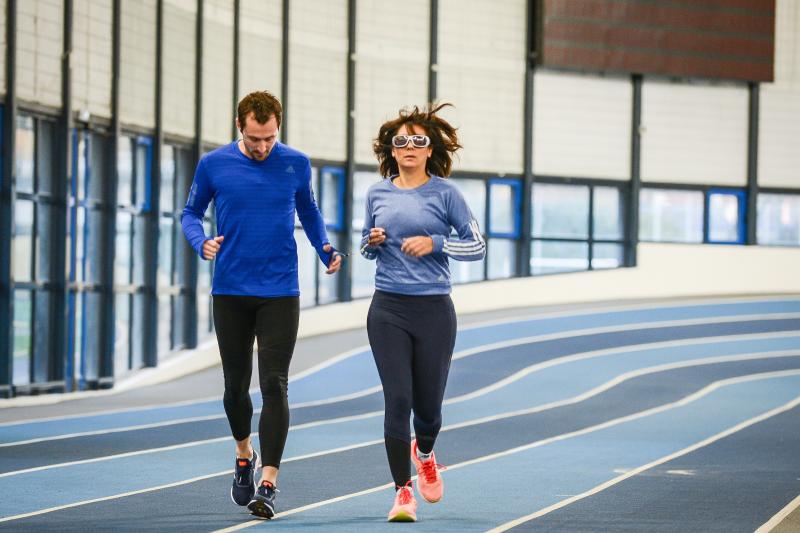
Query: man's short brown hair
262, 104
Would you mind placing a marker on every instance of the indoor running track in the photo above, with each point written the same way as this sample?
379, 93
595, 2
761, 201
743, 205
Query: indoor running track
671, 416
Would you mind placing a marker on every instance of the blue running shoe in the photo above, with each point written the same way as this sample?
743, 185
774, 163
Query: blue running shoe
244, 480
263, 502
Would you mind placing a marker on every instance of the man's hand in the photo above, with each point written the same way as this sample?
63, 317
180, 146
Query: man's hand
376, 237
336, 260
211, 247
417, 246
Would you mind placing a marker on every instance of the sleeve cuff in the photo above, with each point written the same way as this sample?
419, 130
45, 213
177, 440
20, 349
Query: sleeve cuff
438, 243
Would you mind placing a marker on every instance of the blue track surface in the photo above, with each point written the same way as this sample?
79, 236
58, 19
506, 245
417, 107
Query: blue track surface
611, 420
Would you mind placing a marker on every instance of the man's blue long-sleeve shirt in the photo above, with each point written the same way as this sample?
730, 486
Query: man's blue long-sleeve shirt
255, 204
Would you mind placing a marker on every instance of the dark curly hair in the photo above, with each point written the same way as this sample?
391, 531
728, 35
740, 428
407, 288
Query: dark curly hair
444, 141
262, 104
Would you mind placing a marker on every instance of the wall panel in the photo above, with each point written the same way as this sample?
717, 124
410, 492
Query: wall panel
40, 30
582, 125
138, 63
392, 72
218, 112
482, 71
694, 133
180, 18
779, 125
91, 56
317, 106
260, 46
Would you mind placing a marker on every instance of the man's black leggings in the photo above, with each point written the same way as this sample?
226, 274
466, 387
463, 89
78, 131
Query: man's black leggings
412, 340
239, 320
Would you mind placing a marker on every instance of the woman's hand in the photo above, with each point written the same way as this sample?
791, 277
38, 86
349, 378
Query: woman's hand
417, 246
376, 236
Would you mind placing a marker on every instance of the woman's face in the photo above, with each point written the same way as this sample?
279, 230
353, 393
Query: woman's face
411, 158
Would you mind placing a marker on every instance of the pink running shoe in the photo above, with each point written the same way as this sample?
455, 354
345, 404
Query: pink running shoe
429, 482
405, 505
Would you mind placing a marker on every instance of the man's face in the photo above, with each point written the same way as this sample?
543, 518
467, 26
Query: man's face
258, 139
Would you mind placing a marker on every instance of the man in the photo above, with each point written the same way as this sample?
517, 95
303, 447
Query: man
257, 184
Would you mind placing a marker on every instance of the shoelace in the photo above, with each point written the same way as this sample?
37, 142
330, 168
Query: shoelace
404, 495
429, 469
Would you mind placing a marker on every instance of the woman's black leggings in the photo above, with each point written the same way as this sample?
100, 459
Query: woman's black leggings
412, 340
239, 320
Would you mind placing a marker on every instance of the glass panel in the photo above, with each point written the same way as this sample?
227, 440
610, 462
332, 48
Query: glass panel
165, 236
204, 276
502, 256
474, 192
167, 195
42, 334
141, 191
80, 248
92, 335
466, 271
23, 245
46, 160
98, 167
560, 211
178, 313
328, 284
363, 270
306, 268
94, 246
164, 324
139, 243
124, 172
330, 197
723, 217
501, 208
80, 175
554, 256
122, 260
24, 152
80, 299
606, 255
362, 181
137, 331
23, 308
184, 172
670, 215
122, 313
778, 219
43, 240
609, 214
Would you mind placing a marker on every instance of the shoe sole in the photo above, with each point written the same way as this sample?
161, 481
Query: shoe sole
260, 509
402, 517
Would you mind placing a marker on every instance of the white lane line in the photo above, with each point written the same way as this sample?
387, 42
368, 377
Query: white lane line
682, 402
609, 423
479, 392
775, 521
482, 420
678, 304
458, 355
599, 488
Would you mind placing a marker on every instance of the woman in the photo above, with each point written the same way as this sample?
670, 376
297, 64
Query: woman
412, 323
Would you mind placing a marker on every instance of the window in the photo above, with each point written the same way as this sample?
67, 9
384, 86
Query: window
363, 271
87, 215
505, 196
134, 162
778, 219
726, 211
474, 192
576, 227
35, 235
671, 215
